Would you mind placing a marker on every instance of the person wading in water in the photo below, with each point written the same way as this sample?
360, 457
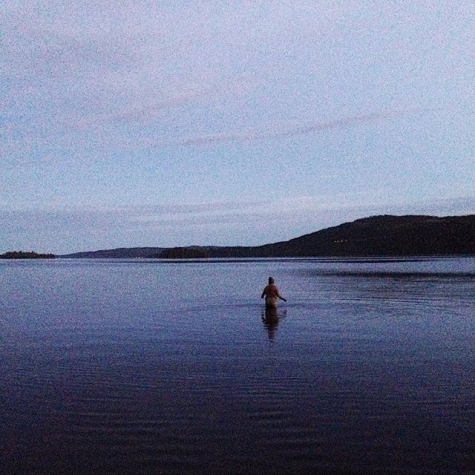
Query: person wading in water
272, 294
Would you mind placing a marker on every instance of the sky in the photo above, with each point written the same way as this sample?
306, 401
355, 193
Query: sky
208, 122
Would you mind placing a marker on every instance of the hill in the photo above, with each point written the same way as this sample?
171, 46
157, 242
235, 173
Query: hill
387, 236
374, 236
123, 252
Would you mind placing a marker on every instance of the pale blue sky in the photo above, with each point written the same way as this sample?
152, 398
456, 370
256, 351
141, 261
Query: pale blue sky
146, 123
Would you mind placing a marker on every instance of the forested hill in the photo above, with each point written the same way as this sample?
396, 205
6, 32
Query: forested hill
387, 236
123, 252
374, 236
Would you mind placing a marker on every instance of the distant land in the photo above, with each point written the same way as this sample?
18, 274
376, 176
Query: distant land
25, 255
374, 236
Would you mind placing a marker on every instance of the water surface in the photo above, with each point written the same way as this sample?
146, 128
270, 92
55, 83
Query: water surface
158, 367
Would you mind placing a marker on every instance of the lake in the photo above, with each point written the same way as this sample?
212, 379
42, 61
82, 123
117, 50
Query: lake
164, 367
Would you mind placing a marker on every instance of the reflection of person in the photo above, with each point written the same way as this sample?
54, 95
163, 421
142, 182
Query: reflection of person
271, 321
272, 294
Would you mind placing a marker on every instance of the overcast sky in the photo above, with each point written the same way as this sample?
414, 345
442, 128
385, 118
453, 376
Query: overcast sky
146, 123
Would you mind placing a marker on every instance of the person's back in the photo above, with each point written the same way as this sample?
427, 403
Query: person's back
272, 294
272, 290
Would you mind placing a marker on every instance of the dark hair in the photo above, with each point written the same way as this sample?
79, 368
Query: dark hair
271, 280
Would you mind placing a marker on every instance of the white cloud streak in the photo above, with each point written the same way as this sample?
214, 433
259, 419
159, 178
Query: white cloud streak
287, 130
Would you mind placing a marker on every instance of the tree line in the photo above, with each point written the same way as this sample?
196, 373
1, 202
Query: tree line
25, 255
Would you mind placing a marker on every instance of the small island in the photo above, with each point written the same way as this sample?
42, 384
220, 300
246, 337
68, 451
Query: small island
25, 255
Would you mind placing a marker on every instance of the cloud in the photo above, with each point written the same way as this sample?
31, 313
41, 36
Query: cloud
119, 102
98, 75
286, 130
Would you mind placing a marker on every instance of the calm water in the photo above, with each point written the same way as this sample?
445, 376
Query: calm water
146, 367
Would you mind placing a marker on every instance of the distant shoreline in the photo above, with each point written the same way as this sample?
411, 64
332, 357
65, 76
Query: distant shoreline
384, 236
26, 255
376, 236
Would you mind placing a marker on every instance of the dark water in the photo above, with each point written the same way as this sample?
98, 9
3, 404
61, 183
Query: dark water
141, 367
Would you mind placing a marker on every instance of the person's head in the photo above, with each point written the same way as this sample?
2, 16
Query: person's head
271, 280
